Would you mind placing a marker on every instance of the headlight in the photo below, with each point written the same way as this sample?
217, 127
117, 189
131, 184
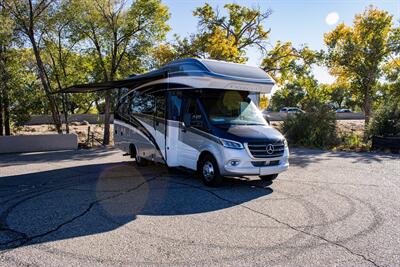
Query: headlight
231, 144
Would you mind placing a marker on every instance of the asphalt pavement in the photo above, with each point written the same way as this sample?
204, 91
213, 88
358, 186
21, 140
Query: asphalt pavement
97, 208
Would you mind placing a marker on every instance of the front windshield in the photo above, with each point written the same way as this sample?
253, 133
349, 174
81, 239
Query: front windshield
231, 108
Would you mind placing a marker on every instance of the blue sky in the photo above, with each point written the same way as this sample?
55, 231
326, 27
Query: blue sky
301, 22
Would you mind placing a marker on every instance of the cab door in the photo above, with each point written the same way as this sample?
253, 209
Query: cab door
191, 138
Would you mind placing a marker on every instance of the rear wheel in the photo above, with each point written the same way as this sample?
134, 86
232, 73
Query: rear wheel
269, 177
139, 160
209, 171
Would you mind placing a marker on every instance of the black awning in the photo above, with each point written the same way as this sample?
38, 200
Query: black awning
132, 82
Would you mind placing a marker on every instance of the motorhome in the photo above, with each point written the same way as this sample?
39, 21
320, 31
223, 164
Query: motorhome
201, 115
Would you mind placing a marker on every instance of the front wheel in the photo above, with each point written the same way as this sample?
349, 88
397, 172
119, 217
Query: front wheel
269, 177
209, 172
134, 154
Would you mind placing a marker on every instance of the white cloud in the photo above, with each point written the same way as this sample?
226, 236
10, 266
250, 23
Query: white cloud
332, 18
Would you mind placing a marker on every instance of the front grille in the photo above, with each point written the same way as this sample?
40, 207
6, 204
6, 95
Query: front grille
265, 163
266, 149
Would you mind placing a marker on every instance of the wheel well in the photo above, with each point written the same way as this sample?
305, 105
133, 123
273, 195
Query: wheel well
132, 150
202, 155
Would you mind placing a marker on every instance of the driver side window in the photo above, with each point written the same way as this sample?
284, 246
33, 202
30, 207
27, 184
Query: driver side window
197, 119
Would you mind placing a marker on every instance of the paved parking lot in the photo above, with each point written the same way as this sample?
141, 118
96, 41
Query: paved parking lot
96, 207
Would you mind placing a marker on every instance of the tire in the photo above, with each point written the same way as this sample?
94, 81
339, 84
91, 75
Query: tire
269, 177
139, 160
209, 172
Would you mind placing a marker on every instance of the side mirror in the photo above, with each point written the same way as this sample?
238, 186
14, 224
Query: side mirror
187, 119
267, 118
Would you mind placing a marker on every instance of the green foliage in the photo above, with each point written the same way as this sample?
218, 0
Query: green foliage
220, 37
292, 70
116, 35
286, 64
356, 54
352, 141
289, 96
312, 129
386, 120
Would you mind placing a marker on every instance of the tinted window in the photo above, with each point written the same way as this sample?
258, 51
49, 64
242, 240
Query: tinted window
142, 104
123, 108
197, 119
160, 105
175, 107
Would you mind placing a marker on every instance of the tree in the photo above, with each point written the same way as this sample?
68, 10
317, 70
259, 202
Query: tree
30, 18
117, 34
288, 96
291, 68
219, 37
26, 95
6, 39
339, 94
392, 76
356, 54
285, 63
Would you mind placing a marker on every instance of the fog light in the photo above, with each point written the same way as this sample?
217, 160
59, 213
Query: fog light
234, 162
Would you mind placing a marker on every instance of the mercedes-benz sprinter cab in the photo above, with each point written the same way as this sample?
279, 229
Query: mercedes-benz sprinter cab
201, 115
225, 133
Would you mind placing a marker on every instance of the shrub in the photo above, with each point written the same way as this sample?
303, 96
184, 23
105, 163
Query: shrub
316, 128
386, 120
352, 141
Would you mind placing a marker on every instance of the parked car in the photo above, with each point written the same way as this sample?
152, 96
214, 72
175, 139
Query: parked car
343, 110
291, 110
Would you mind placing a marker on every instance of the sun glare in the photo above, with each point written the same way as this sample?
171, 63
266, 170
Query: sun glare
332, 18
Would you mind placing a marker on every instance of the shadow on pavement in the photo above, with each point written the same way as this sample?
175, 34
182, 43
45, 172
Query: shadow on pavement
304, 156
16, 159
91, 199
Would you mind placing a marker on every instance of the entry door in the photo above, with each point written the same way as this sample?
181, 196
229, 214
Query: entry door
159, 125
174, 107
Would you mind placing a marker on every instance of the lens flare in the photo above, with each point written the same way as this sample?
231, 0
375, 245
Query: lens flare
332, 18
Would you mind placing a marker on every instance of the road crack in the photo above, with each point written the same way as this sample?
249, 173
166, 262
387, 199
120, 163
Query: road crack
26, 238
282, 223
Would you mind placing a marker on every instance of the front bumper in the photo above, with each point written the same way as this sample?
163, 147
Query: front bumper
246, 166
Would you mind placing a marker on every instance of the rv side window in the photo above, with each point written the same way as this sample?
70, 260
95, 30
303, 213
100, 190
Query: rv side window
197, 119
160, 105
142, 104
123, 109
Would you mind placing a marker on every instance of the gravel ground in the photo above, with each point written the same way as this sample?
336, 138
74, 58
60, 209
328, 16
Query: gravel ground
97, 208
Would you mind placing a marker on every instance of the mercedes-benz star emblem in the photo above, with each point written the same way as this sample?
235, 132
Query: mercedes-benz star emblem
270, 149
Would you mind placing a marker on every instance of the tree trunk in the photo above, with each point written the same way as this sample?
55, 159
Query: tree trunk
6, 109
65, 111
367, 108
1, 115
5, 101
52, 103
106, 136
